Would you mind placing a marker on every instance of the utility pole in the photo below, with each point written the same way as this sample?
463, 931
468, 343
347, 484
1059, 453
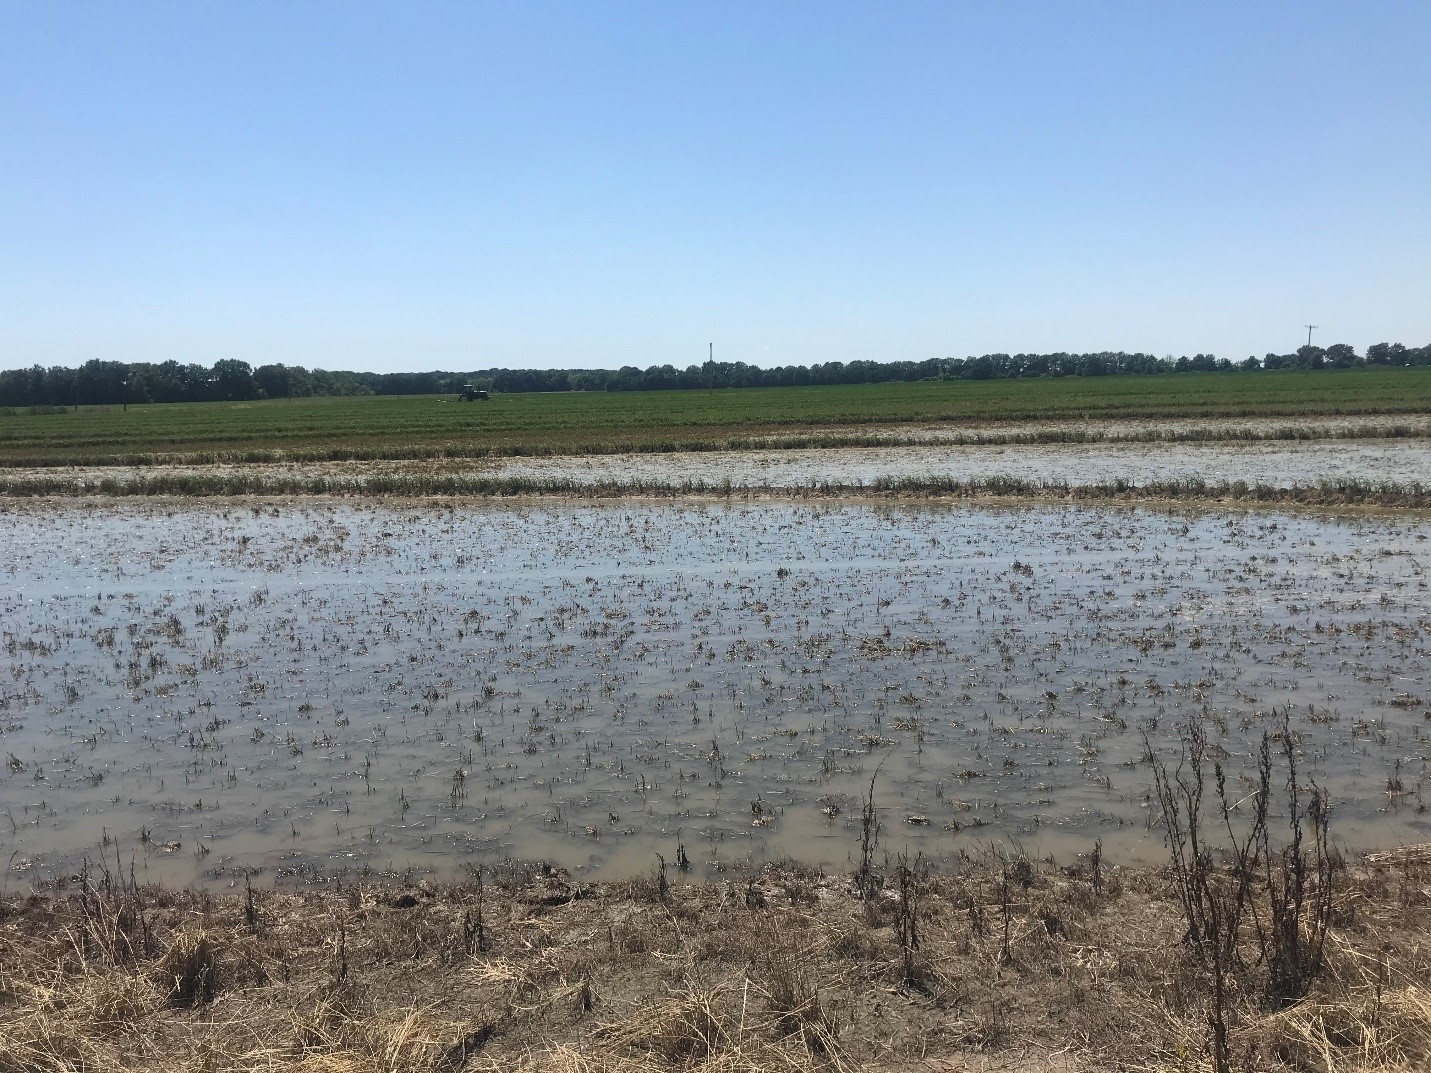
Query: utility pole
1309, 333
710, 369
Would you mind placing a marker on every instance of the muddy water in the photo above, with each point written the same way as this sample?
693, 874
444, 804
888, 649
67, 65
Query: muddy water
327, 689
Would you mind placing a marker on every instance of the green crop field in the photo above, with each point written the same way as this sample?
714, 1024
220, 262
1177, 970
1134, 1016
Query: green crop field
419, 426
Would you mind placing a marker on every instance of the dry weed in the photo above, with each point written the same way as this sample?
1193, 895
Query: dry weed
808, 976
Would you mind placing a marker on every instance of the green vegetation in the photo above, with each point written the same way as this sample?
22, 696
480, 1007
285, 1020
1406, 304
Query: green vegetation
315, 429
99, 382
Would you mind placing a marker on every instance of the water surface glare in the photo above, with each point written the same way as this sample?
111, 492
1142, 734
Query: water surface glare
326, 689
1273, 463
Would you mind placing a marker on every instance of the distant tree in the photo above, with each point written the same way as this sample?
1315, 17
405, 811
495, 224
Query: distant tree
1342, 356
1386, 354
588, 380
336, 382
112, 382
98, 383
660, 378
283, 381
626, 378
233, 380
981, 368
25, 387
1025, 364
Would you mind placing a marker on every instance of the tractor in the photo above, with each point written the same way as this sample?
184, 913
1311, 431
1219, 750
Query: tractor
474, 394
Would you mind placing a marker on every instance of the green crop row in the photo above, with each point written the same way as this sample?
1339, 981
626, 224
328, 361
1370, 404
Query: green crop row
576, 422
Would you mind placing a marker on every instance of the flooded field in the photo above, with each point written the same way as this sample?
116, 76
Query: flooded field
1278, 464
1270, 463
1162, 429
330, 689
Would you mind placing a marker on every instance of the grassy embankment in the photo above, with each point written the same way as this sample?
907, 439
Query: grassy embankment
1004, 964
336, 429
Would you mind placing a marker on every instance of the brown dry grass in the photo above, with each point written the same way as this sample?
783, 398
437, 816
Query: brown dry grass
785, 971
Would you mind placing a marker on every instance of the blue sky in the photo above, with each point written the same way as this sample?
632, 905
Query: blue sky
420, 185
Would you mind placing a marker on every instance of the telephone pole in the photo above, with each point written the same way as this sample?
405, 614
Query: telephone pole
1309, 333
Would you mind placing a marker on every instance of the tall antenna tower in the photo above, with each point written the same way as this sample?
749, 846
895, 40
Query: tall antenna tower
1309, 333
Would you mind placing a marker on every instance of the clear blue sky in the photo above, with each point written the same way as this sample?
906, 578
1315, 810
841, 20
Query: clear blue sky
456, 185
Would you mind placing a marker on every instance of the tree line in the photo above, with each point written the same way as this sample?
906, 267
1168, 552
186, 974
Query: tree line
115, 382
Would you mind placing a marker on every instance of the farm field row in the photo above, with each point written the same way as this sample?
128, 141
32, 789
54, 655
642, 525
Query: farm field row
574, 423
